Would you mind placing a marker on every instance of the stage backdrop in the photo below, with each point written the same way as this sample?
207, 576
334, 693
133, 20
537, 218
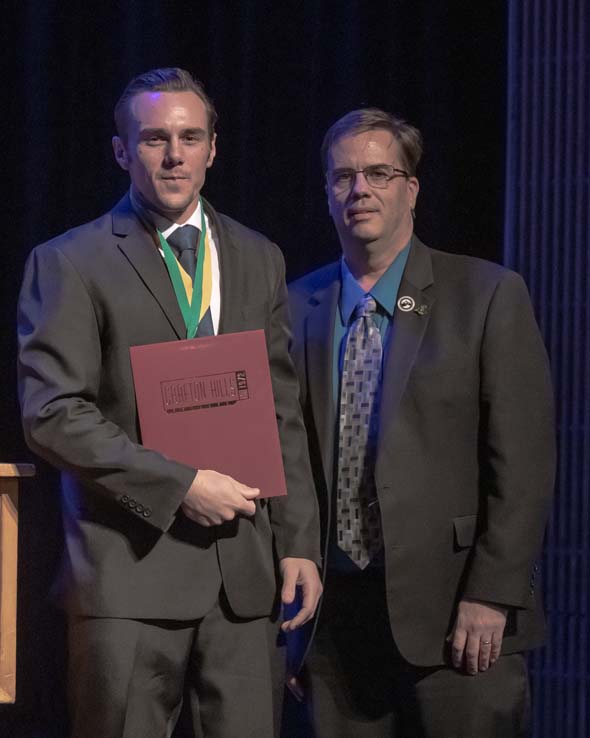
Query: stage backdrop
279, 73
547, 239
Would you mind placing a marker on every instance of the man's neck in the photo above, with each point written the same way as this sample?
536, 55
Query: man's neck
172, 216
367, 265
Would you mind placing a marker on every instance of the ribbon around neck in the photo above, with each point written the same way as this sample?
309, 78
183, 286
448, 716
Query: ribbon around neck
191, 313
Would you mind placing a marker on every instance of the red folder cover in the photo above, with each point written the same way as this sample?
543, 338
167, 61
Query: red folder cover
208, 403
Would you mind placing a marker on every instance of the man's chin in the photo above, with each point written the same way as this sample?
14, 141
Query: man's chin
365, 231
172, 208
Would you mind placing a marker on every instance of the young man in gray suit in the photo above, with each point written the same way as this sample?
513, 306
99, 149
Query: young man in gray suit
170, 573
426, 393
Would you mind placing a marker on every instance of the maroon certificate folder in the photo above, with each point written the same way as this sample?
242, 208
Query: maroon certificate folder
208, 402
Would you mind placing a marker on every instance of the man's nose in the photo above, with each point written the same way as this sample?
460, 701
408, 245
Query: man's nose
173, 153
360, 186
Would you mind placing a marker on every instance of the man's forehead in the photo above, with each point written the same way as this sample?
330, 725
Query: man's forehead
161, 103
376, 145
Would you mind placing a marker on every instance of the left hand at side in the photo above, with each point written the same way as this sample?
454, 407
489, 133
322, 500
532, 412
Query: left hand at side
300, 573
476, 639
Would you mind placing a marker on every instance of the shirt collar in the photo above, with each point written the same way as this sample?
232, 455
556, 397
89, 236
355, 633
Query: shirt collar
384, 290
194, 220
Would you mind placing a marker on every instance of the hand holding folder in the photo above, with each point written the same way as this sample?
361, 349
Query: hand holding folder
215, 498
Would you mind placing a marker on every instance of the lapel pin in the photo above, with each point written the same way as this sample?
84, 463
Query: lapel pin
422, 310
406, 304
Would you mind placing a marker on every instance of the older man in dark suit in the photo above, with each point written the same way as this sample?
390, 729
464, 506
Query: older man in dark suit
170, 573
427, 400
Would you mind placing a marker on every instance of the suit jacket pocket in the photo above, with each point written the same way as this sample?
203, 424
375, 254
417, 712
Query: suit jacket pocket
465, 527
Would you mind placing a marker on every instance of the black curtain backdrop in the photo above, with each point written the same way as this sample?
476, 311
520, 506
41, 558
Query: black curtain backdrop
547, 239
280, 74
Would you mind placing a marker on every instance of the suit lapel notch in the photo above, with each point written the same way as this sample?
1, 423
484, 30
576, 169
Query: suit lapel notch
142, 252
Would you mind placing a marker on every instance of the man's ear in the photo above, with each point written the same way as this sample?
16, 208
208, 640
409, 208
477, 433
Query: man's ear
413, 189
327, 191
212, 150
121, 156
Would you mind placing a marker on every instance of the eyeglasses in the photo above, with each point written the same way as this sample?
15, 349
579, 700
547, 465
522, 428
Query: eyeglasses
378, 175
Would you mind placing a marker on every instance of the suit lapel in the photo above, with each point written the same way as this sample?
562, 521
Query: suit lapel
141, 250
319, 341
231, 318
408, 329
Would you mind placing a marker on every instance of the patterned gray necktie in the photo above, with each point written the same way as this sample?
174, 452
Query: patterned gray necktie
358, 518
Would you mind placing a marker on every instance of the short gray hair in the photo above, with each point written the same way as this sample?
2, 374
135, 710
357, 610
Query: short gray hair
408, 137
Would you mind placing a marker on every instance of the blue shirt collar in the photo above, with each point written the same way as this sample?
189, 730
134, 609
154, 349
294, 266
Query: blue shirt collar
384, 290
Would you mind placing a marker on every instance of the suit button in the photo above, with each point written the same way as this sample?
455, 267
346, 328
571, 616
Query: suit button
132, 504
147, 512
536, 567
139, 508
124, 499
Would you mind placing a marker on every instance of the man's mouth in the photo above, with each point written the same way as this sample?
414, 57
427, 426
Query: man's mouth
359, 212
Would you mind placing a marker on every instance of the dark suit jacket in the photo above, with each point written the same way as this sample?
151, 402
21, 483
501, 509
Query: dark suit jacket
87, 296
465, 462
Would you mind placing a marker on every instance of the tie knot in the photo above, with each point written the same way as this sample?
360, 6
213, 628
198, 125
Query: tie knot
184, 238
367, 306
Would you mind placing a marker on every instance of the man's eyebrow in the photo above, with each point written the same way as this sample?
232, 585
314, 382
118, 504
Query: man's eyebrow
196, 132
147, 132
162, 132
369, 166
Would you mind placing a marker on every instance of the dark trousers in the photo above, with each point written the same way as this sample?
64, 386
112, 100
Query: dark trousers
361, 687
128, 678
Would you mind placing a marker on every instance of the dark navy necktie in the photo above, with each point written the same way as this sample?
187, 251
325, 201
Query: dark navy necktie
184, 242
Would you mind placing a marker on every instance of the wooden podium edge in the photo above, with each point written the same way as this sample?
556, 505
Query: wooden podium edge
9, 481
9, 471
5, 697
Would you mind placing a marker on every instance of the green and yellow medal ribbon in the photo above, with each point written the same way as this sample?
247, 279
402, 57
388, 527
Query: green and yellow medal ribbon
193, 299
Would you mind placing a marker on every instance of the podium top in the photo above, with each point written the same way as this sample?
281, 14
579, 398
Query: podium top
17, 470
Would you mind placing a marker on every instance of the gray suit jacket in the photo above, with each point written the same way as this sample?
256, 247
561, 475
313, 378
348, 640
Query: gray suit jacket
465, 462
87, 296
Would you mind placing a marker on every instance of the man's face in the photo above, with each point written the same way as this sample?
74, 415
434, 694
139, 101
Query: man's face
368, 216
166, 150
